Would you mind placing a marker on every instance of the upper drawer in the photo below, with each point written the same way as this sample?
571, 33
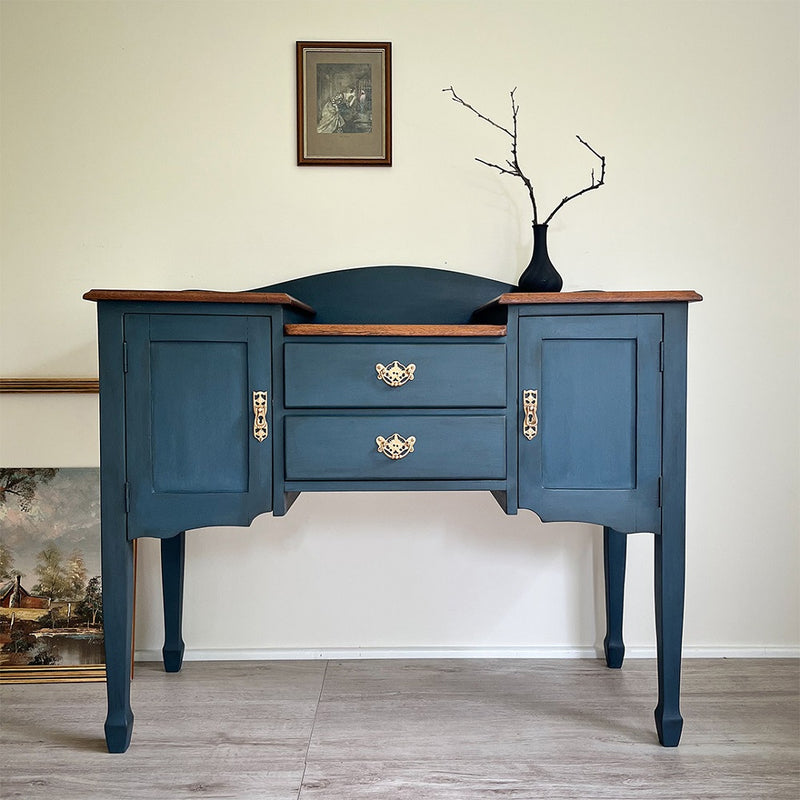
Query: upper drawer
345, 375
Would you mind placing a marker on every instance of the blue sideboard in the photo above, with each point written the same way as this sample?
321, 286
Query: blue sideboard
216, 407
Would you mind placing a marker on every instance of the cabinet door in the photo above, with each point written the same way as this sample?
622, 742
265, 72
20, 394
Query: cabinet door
192, 456
596, 453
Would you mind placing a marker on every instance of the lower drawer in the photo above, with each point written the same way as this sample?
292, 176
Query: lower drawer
451, 447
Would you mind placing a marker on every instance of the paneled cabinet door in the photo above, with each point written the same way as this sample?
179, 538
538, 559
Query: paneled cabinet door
196, 450
590, 419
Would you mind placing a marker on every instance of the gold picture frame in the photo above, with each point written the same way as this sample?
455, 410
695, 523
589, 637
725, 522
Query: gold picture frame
49, 385
344, 104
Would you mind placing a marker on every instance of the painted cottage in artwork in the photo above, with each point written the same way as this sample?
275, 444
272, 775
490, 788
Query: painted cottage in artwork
14, 595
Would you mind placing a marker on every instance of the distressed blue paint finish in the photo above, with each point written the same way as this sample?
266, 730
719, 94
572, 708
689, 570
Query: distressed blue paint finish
194, 389
405, 295
177, 449
192, 458
670, 547
591, 431
596, 456
452, 375
172, 562
615, 551
446, 448
116, 547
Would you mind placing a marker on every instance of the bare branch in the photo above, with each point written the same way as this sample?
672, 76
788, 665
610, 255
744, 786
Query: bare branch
587, 145
505, 171
477, 113
594, 184
513, 167
514, 164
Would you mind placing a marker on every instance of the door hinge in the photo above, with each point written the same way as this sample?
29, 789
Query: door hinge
124, 356
660, 490
127, 498
661, 356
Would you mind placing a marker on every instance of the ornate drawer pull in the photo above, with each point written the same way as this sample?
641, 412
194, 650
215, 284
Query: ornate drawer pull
260, 430
396, 446
395, 374
530, 399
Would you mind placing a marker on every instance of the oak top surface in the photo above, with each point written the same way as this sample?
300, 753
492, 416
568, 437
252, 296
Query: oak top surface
312, 329
360, 329
196, 296
526, 298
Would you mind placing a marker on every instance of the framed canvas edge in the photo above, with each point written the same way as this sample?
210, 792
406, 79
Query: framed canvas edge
90, 673
304, 160
49, 385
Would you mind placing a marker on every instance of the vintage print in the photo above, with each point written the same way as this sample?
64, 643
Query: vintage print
344, 104
344, 98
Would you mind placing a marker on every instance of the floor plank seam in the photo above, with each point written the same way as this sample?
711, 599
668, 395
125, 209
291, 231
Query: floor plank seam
311, 732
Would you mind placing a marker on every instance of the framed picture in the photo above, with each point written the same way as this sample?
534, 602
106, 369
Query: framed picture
51, 617
344, 104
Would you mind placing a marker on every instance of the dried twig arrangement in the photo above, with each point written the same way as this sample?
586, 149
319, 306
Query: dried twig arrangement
512, 166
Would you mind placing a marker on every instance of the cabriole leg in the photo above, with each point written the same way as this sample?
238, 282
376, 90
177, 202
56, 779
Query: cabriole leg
615, 549
172, 559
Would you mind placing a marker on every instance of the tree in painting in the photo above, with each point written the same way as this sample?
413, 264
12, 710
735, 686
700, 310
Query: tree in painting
91, 607
22, 484
6, 563
50, 571
57, 579
75, 574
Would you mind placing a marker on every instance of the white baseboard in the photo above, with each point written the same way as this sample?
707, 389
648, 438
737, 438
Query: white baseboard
345, 653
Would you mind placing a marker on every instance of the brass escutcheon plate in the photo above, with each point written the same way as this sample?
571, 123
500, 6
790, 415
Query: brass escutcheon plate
396, 446
395, 374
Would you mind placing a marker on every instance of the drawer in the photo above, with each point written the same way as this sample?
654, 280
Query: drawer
454, 447
345, 375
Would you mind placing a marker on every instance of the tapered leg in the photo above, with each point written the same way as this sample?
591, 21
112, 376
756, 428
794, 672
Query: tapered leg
670, 544
669, 591
615, 550
117, 563
116, 548
172, 558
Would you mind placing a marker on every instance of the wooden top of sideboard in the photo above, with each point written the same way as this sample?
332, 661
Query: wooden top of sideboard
527, 298
552, 298
313, 329
197, 296
373, 329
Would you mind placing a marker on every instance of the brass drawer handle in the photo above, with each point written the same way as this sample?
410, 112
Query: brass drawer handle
395, 374
260, 429
396, 447
530, 400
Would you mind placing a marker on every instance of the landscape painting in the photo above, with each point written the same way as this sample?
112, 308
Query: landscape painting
51, 619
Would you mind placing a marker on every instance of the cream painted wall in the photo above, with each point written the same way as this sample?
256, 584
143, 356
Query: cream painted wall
151, 145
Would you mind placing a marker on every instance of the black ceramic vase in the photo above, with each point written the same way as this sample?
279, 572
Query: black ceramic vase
540, 275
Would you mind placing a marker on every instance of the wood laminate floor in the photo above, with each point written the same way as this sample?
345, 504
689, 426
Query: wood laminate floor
410, 730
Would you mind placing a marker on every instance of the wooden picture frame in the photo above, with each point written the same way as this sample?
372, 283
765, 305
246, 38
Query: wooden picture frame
49, 385
344, 104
